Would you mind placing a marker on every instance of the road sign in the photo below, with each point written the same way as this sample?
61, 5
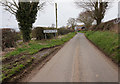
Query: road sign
50, 31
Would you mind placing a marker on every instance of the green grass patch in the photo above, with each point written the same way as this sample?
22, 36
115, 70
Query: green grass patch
34, 46
12, 71
16, 69
107, 41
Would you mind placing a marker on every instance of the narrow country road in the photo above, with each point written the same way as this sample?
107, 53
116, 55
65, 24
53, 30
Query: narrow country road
78, 61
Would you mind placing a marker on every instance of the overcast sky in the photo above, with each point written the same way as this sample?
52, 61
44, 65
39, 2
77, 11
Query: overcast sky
46, 17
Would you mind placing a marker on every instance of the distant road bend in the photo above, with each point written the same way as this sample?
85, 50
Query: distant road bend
78, 61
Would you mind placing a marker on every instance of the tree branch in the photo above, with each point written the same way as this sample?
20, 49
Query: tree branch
9, 7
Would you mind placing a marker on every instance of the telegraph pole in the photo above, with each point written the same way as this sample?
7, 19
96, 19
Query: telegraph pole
56, 14
56, 34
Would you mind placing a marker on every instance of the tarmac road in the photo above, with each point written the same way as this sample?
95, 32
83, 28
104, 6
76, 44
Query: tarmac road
78, 61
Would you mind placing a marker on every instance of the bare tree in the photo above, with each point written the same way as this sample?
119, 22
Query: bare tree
72, 22
25, 12
98, 8
84, 17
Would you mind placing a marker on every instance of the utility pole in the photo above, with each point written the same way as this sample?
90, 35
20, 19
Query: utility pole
56, 14
56, 34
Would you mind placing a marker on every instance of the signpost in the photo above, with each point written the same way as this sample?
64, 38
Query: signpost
49, 31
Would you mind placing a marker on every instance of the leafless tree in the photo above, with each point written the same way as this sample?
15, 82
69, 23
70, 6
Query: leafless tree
72, 22
84, 17
98, 8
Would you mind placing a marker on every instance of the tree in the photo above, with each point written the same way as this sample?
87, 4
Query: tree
98, 8
84, 17
25, 13
71, 22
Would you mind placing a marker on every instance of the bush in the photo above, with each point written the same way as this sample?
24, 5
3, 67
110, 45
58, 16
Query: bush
63, 31
50, 36
8, 38
105, 26
38, 33
18, 36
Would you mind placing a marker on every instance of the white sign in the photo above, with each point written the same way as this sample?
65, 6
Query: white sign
50, 31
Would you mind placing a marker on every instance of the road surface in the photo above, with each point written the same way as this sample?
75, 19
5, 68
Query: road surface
78, 61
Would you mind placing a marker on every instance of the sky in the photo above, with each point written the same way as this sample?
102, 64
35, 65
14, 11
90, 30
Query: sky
46, 17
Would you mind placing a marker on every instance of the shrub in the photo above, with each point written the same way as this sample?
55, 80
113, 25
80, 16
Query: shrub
18, 36
105, 26
8, 38
38, 33
63, 31
50, 36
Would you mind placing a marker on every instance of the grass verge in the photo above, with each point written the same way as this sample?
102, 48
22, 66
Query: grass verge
34, 46
24, 55
106, 41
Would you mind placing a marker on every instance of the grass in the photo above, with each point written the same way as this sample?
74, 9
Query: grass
34, 46
107, 41
12, 71
29, 49
17, 68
